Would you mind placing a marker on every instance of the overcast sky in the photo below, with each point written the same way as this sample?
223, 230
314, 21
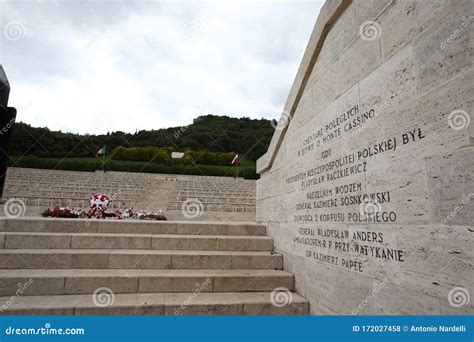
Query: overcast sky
98, 66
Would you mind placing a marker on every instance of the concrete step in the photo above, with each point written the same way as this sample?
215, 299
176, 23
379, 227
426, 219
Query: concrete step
228, 303
82, 281
58, 225
29, 240
137, 259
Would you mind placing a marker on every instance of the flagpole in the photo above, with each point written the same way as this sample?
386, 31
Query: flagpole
103, 160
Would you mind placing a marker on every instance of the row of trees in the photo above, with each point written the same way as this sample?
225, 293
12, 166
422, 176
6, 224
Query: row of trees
211, 133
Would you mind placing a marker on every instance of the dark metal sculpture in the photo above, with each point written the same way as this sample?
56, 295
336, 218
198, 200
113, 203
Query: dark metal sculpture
7, 121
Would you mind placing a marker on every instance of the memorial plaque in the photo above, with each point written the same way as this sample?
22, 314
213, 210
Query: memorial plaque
368, 190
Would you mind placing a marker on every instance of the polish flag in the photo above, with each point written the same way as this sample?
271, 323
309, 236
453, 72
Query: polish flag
235, 160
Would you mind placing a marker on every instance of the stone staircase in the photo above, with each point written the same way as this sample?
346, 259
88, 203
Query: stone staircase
218, 194
218, 198
79, 267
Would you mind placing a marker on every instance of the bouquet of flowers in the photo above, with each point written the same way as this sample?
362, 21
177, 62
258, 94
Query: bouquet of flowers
98, 209
64, 212
140, 215
99, 204
147, 215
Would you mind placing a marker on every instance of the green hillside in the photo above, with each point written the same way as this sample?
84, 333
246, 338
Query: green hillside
43, 148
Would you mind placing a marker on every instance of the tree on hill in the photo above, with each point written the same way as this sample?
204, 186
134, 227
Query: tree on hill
249, 137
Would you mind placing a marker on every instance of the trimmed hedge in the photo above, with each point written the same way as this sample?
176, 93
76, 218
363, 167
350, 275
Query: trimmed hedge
93, 164
162, 155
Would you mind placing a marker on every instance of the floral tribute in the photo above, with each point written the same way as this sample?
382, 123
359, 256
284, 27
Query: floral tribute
140, 215
99, 204
64, 212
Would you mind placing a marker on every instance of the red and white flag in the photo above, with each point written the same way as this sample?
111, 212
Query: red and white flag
235, 160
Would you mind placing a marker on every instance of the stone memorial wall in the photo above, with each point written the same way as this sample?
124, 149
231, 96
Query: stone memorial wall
368, 184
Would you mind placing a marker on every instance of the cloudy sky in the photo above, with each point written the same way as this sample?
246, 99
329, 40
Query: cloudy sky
101, 65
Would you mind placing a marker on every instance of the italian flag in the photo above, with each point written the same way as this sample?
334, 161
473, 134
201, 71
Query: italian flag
100, 152
235, 160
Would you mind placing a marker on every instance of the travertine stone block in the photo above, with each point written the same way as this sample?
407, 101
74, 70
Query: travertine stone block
370, 10
86, 285
390, 84
357, 62
31, 286
451, 187
45, 241
123, 241
411, 18
327, 88
150, 261
446, 49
